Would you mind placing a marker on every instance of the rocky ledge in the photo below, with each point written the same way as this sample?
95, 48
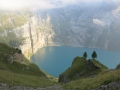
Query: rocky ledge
7, 87
110, 86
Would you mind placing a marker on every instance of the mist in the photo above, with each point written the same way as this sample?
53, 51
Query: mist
45, 4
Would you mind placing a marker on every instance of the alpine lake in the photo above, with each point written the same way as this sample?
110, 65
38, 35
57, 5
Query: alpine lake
56, 59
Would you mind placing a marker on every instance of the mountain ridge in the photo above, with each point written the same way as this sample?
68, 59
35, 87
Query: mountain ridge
89, 75
81, 68
16, 70
74, 25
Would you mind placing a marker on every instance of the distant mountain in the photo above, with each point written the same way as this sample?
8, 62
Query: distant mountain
25, 30
94, 25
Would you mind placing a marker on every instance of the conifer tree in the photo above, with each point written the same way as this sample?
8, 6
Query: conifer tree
85, 54
94, 55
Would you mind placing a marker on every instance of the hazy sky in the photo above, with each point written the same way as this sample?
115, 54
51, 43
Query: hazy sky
41, 4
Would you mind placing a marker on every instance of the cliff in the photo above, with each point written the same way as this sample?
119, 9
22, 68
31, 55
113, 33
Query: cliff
74, 25
29, 35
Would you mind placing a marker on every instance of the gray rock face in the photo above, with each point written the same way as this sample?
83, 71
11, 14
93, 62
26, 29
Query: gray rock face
82, 25
95, 26
110, 86
33, 34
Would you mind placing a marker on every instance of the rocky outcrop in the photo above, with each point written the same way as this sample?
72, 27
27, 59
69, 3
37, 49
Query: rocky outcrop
36, 35
95, 26
14, 56
110, 86
7, 87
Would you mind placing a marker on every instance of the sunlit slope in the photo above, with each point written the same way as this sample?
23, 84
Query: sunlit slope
11, 20
103, 78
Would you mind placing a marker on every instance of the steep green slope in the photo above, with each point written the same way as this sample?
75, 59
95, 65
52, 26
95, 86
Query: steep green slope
89, 75
103, 78
20, 71
81, 68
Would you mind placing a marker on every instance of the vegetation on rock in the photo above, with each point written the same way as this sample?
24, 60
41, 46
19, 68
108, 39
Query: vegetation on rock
85, 54
20, 71
90, 75
81, 68
94, 55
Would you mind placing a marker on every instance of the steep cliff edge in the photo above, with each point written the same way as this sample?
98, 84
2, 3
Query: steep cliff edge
27, 31
89, 26
36, 34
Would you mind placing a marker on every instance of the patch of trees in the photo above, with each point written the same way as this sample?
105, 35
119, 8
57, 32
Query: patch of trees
18, 50
85, 54
94, 55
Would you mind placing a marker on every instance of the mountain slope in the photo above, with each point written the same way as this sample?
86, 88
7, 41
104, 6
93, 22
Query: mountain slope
25, 30
93, 25
81, 68
105, 79
89, 75
80, 25
15, 69
73, 25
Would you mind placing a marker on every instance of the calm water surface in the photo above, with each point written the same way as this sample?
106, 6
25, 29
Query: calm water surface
56, 59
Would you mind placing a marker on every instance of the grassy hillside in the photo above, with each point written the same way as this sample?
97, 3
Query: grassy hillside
11, 78
87, 75
103, 78
20, 72
81, 68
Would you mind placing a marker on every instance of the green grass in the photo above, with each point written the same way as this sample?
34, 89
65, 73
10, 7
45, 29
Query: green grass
17, 73
21, 79
91, 74
97, 63
83, 68
105, 77
78, 65
5, 48
17, 67
91, 79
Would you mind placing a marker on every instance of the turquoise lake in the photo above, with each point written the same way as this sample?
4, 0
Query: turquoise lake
56, 59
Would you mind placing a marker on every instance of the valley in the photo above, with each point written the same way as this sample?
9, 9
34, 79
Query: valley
74, 25
55, 59
42, 45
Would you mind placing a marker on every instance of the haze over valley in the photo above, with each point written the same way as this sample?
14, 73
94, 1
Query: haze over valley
33, 30
93, 25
